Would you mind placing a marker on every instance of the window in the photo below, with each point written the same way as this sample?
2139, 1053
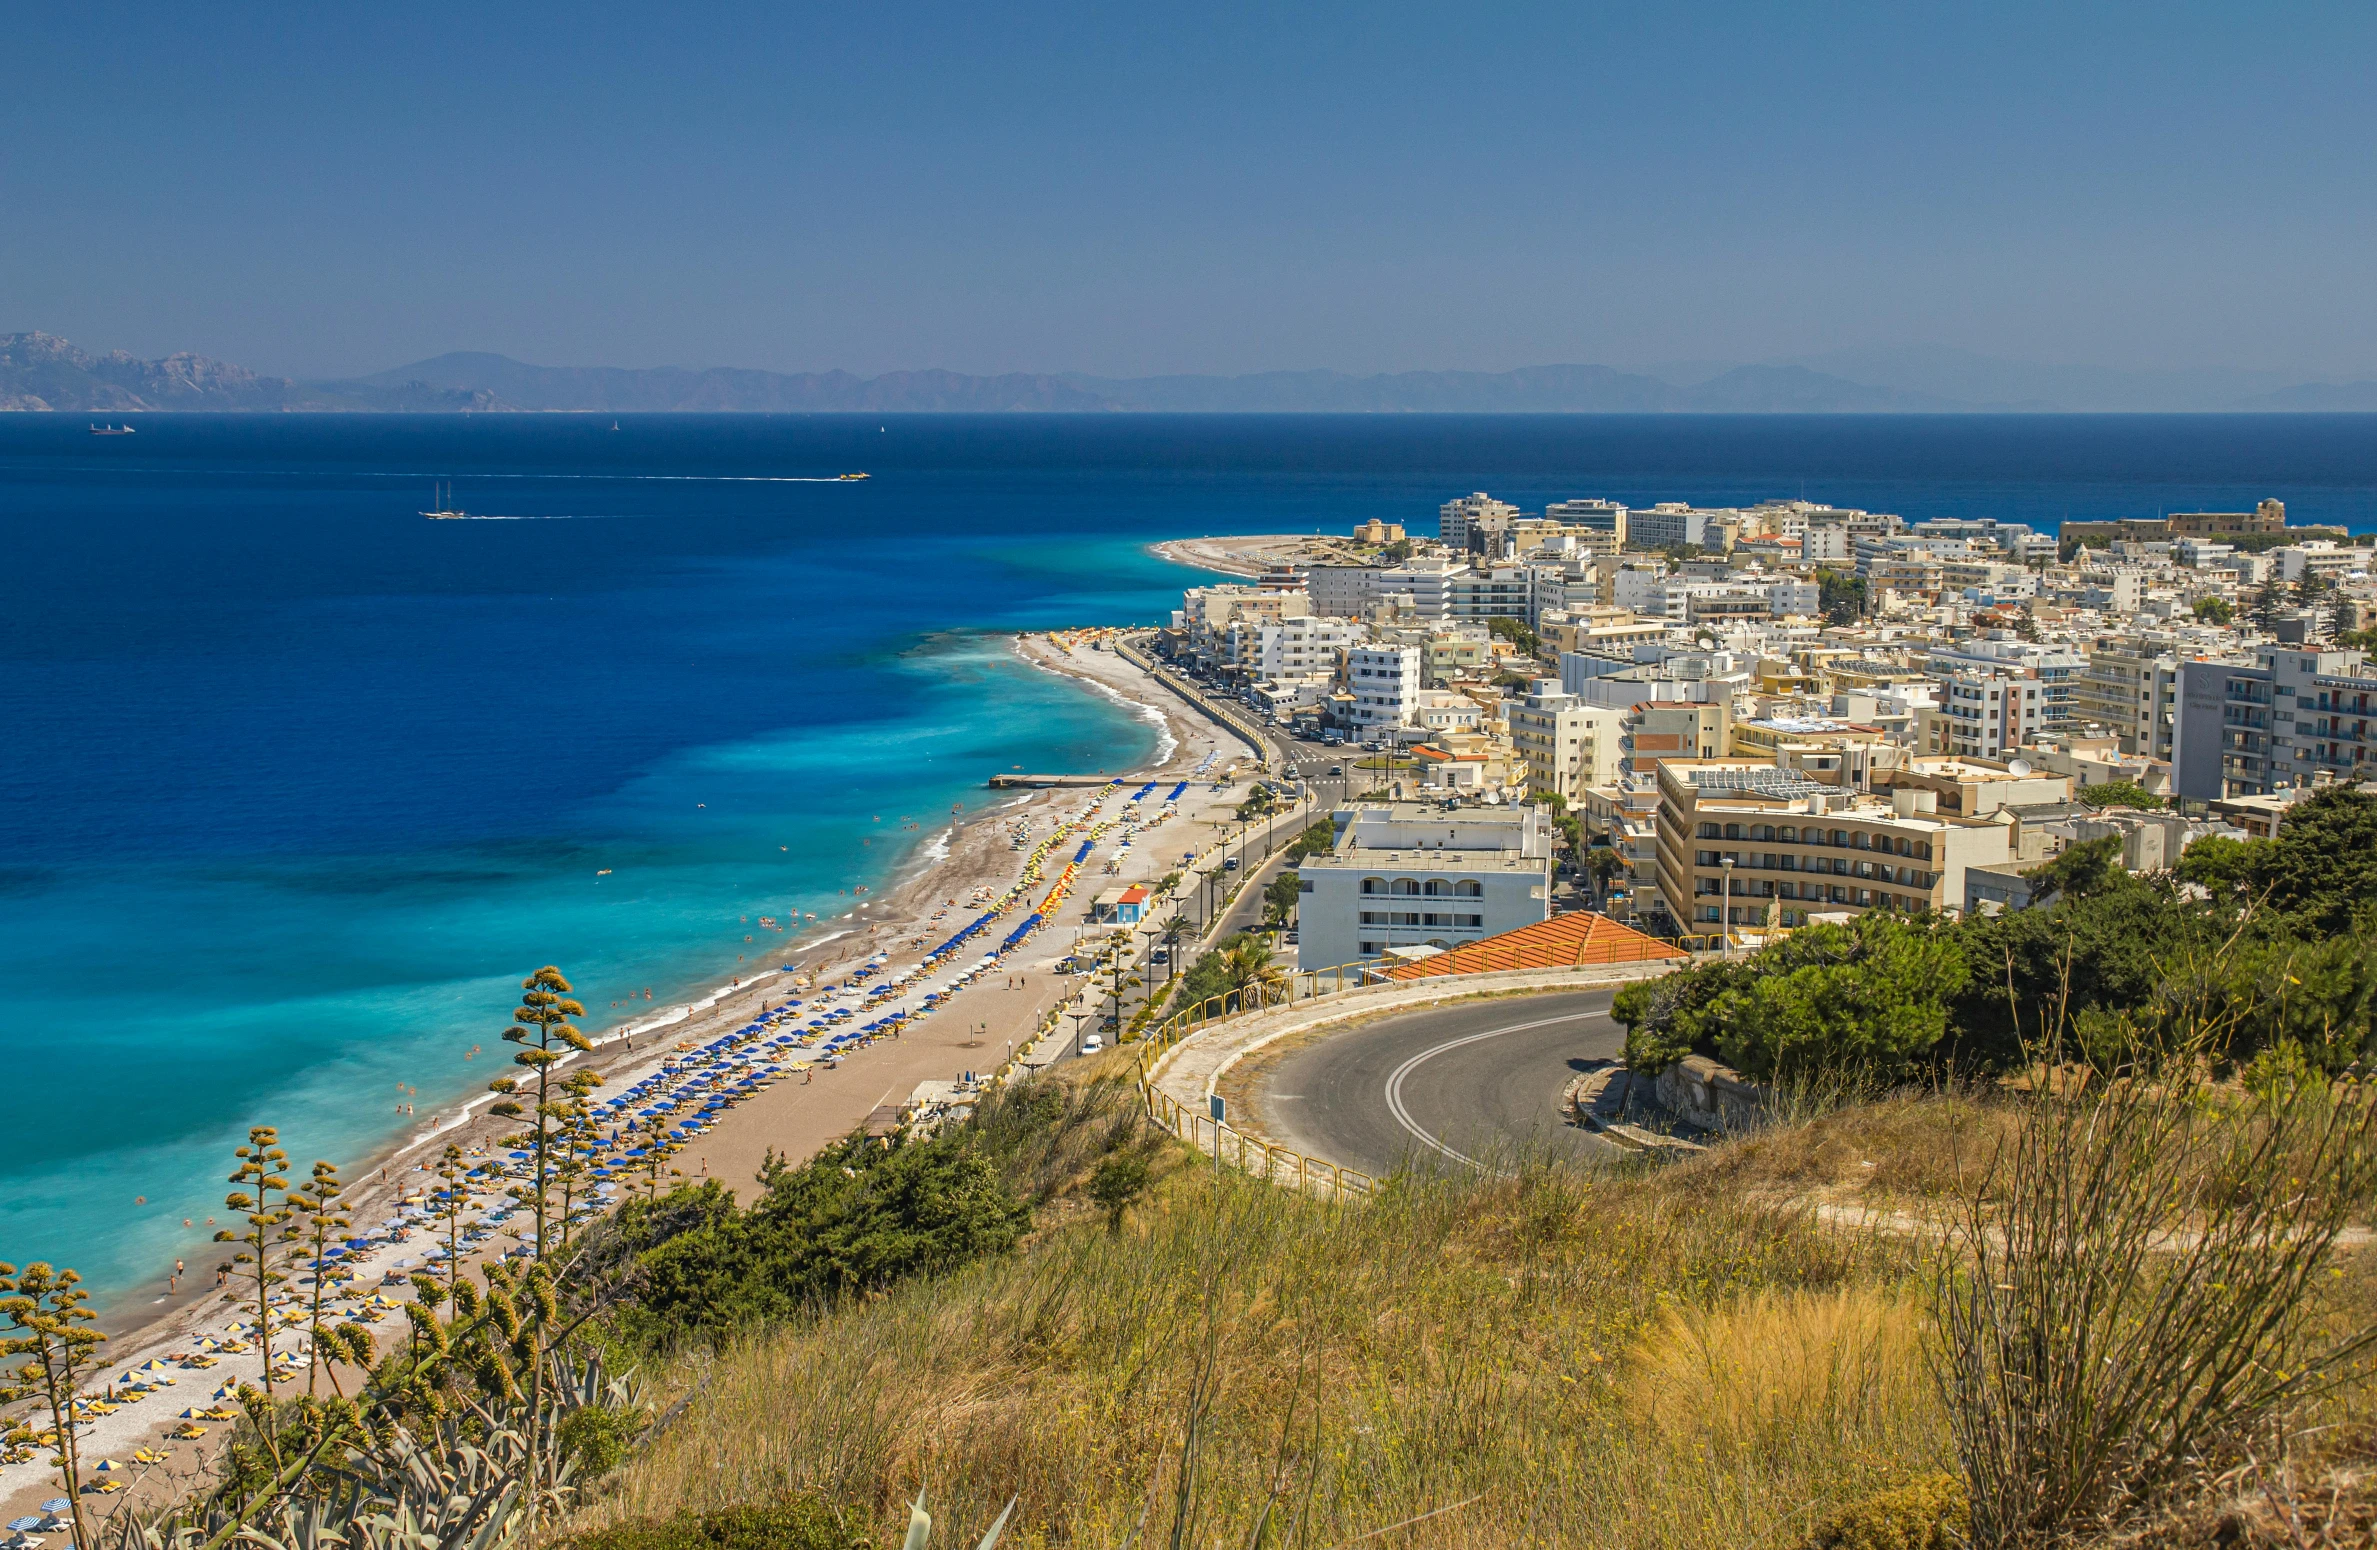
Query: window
1437, 888
1469, 890
1374, 885
1405, 885
1471, 921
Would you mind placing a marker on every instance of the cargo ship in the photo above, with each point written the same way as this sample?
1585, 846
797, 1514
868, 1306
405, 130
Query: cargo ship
126, 430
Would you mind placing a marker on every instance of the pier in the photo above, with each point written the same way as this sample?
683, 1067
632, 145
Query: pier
1009, 782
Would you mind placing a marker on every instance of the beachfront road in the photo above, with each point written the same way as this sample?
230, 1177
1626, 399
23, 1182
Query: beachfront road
1446, 1084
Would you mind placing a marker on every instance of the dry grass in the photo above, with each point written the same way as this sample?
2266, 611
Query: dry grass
1906, 1149
1249, 1367
1619, 1358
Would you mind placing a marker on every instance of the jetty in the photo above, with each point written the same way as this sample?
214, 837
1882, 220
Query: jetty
1037, 782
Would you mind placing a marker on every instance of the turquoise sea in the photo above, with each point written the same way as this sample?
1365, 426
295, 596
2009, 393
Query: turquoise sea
294, 785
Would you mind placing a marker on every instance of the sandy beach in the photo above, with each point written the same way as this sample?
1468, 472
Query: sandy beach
1248, 555
1010, 1014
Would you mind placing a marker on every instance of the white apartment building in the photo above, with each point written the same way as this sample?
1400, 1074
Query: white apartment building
1424, 586
2324, 559
1303, 648
1407, 875
1826, 545
1669, 523
2131, 689
1569, 745
2056, 670
1984, 715
1457, 519
1206, 614
1342, 591
1385, 684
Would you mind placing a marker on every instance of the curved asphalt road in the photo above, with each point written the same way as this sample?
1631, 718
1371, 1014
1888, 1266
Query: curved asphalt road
1448, 1085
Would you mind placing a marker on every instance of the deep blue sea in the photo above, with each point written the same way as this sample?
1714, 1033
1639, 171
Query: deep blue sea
294, 785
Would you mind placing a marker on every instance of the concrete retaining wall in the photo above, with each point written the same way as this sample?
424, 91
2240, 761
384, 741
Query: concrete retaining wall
1709, 1096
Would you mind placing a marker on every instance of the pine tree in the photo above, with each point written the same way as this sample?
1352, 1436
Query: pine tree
541, 1025
54, 1335
261, 1168
318, 1203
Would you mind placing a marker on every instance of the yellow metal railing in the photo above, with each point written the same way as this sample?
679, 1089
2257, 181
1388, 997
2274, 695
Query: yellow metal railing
1217, 1139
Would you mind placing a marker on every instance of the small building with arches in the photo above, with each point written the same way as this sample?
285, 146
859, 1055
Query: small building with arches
1409, 874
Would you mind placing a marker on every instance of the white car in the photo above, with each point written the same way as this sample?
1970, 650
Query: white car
1093, 1043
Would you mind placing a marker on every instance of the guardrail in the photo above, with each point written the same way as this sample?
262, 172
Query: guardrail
1221, 1141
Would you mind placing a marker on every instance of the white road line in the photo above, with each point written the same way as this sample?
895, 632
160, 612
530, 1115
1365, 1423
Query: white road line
1395, 1082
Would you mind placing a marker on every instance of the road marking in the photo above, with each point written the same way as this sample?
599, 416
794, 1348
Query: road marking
1395, 1082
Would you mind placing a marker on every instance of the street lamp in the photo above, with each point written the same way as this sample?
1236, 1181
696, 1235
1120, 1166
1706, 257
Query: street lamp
1725, 911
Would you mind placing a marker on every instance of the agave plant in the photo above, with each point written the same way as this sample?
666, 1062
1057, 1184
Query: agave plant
920, 1526
468, 1481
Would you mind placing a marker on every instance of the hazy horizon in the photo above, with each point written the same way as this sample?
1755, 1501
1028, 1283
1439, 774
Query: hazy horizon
1221, 191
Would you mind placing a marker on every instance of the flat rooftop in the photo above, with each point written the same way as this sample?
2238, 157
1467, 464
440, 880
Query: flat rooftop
1368, 859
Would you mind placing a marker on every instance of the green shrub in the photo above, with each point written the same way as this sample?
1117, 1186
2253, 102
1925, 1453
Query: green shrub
1929, 1514
856, 1218
1869, 998
794, 1523
594, 1440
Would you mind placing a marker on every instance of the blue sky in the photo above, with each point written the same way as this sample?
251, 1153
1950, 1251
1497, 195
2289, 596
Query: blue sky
1142, 189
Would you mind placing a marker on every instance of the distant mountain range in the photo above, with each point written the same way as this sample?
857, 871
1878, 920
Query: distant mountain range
43, 372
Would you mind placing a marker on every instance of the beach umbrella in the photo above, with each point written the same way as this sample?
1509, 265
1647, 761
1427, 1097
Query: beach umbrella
56, 1504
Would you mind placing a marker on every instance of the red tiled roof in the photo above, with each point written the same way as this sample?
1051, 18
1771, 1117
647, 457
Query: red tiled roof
1575, 939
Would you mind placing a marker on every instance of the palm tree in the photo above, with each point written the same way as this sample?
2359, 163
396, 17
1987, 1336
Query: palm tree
1250, 972
1175, 930
1605, 864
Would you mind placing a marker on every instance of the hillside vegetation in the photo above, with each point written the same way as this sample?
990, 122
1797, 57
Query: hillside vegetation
2099, 1277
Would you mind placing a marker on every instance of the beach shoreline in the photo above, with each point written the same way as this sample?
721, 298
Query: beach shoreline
980, 1027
